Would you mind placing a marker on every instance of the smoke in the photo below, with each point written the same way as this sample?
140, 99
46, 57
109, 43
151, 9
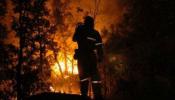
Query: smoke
72, 11
67, 13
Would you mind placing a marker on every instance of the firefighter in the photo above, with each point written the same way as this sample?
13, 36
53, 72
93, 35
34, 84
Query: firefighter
88, 54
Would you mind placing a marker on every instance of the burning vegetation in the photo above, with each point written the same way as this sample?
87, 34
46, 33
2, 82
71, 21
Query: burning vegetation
40, 32
36, 47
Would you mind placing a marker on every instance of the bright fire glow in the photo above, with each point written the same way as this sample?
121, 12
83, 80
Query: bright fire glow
71, 69
63, 65
64, 75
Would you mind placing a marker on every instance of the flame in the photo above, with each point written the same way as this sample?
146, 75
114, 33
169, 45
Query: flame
64, 75
71, 69
66, 64
65, 14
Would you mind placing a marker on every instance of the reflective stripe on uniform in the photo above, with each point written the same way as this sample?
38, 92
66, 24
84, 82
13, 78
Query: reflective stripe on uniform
96, 82
97, 44
85, 79
90, 38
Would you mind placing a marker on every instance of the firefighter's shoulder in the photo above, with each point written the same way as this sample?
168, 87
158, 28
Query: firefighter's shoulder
96, 33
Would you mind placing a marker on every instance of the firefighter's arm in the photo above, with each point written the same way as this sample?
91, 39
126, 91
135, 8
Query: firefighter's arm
99, 46
75, 35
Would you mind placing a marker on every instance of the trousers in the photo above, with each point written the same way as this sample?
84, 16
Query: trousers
87, 67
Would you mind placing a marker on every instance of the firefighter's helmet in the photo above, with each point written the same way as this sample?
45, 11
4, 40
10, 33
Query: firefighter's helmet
89, 21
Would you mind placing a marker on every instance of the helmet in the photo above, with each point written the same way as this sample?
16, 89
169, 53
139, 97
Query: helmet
89, 21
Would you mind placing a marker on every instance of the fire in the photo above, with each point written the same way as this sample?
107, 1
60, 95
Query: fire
64, 75
66, 14
66, 64
71, 69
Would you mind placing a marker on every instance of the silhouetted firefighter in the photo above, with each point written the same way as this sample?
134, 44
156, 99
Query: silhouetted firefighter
89, 52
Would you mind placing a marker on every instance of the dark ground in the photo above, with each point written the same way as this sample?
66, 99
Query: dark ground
57, 96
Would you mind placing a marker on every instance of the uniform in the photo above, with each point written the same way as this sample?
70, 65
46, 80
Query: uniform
89, 52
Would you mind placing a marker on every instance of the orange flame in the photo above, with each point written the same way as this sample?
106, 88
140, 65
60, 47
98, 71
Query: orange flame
71, 69
69, 81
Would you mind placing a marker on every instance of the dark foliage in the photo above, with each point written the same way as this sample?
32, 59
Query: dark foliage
34, 31
3, 4
3, 32
8, 62
3, 11
149, 48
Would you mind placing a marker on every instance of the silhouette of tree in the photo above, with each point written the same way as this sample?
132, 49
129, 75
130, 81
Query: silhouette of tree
8, 62
3, 30
35, 33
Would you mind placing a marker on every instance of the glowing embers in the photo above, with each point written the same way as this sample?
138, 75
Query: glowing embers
69, 85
